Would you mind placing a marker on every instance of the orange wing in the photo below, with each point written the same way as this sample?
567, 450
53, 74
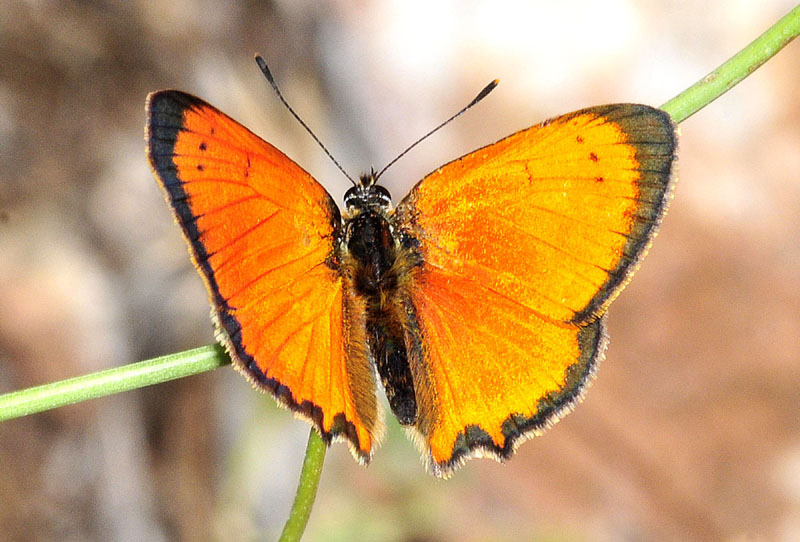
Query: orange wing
263, 235
524, 243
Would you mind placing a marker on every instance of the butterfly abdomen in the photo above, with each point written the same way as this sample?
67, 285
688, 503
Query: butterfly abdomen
376, 276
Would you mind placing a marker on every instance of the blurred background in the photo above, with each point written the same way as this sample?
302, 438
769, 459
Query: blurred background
691, 430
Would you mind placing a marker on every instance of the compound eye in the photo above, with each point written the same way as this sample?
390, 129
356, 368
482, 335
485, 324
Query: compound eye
381, 194
351, 196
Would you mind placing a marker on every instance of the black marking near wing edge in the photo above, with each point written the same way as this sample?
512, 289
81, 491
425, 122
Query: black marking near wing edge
474, 441
164, 124
656, 142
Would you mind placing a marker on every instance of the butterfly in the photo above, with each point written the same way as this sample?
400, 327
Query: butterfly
479, 301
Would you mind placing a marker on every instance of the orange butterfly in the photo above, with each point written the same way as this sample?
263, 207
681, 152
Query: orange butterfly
479, 300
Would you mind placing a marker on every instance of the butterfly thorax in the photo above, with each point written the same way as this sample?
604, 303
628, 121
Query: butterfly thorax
368, 236
377, 263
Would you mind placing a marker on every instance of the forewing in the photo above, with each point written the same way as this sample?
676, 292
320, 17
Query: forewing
263, 235
523, 244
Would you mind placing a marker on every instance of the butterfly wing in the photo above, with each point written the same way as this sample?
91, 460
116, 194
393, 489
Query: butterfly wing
263, 234
523, 244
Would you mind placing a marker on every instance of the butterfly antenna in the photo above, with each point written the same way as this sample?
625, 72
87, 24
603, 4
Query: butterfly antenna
481, 95
268, 74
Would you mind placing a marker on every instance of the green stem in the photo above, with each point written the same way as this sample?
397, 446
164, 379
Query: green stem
306, 489
745, 62
128, 377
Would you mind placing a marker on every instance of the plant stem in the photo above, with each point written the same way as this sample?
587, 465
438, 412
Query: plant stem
306, 489
116, 380
739, 66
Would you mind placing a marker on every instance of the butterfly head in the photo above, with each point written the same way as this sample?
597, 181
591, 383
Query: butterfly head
367, 195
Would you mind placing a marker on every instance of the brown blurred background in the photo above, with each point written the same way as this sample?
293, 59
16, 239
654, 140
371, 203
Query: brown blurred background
692, 428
